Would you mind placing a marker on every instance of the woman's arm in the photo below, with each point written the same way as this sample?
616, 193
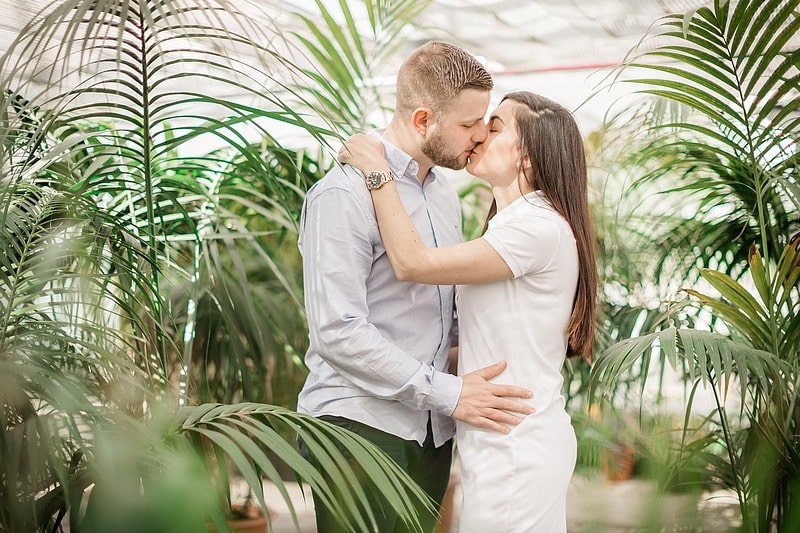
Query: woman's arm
466, 263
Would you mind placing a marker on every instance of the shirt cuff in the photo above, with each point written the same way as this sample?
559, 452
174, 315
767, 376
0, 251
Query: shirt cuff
445, 391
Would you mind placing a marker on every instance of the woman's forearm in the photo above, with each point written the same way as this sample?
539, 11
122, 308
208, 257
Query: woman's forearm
408, 254
469, 262
464, 263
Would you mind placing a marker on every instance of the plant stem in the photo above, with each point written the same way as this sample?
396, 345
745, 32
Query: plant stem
147, 169
730, 446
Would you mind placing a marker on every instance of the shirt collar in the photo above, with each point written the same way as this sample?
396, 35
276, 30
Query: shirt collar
537, 196
400, 162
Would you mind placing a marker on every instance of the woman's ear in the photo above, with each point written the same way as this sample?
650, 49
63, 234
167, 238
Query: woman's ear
421, 120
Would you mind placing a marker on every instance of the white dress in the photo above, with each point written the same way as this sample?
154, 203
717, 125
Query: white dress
518, 482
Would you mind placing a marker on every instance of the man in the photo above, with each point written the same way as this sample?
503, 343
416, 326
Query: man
378, 353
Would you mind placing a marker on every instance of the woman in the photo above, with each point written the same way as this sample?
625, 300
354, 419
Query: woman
526, 294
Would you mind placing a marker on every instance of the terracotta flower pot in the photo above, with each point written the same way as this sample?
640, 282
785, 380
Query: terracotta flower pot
619, 463
248, 525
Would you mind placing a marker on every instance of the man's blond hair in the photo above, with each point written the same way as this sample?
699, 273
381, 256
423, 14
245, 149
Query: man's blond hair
434, 75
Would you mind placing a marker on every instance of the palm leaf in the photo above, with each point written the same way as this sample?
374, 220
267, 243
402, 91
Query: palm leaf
736, 73
234, 430
345, 57
710, 358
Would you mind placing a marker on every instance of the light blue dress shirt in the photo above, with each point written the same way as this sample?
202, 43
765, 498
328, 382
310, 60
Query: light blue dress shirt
379, 347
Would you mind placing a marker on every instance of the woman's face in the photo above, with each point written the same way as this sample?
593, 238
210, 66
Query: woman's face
496, 159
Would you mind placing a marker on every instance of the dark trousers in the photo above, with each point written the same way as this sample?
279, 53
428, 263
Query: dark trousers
427, 465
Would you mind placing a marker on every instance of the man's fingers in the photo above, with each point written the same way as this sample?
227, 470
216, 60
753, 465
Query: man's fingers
513, 406
497, 420
510, 390
491, 371
488, 423
503, 417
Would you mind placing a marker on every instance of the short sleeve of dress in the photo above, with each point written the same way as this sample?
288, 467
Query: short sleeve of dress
527, 244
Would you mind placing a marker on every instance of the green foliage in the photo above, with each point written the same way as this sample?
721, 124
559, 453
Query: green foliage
718, 144
246, 321
344, 85
761, 449
728, 161
146, 217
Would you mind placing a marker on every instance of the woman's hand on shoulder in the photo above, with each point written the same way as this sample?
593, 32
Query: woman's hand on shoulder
364, 152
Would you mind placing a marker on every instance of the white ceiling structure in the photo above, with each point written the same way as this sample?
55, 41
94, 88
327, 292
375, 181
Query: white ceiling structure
559, 48
562, 49
519, 36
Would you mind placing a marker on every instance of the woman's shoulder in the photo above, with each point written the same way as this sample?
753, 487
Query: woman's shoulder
531, 209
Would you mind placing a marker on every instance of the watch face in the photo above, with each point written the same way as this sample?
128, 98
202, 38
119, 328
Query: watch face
374, 180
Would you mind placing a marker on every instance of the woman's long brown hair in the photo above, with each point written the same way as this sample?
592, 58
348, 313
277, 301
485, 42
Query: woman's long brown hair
551, 141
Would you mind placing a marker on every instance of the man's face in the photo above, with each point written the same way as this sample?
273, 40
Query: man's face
453, 135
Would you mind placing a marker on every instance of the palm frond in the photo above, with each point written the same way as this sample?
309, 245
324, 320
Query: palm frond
345, 57
242, 432
737, 70
710, 358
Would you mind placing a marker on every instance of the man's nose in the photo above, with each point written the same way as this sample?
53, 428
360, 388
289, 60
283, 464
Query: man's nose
479, 135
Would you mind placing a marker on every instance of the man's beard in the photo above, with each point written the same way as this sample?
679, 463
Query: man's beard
437, 151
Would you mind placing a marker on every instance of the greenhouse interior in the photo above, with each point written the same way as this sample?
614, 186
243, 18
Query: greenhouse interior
163, 301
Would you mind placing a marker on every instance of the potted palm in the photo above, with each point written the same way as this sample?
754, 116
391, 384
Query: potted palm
729, 154
101, 207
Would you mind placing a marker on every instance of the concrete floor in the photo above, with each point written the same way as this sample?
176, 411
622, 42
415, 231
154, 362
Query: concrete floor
594, 505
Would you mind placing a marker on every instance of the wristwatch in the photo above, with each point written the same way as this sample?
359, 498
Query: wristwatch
376, 179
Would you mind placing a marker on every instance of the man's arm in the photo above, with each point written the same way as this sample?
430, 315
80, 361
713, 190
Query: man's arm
337, 260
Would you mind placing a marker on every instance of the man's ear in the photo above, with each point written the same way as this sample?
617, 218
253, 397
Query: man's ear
421, 119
